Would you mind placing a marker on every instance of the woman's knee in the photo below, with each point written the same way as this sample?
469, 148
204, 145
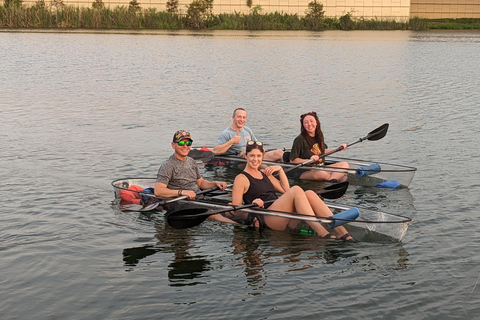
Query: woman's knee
343, 165
296, 189
320, 175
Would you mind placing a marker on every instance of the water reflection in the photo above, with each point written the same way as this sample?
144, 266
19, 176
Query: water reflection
292, 253
246, 243
187, 268
183, 267
132, 256
258, 252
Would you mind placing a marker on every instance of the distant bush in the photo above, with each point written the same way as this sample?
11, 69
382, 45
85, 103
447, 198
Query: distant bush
55, 14
314, 15
172, 6
346, 22
198, 13
12, 3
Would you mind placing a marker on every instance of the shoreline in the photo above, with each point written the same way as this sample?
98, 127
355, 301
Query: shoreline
137, 20
204, 32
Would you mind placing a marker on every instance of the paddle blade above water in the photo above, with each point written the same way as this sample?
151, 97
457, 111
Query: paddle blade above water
201, 155
378, 133
334, 191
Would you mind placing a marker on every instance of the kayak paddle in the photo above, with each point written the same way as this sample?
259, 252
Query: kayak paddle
191, 217
334, 191
373, 135
154, 205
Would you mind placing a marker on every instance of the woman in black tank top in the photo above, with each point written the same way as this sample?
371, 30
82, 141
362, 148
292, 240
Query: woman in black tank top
260, 187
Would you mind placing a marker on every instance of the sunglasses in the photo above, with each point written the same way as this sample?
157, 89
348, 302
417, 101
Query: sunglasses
251, 143
182, 143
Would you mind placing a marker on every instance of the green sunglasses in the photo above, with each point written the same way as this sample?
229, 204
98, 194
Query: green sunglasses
182, 143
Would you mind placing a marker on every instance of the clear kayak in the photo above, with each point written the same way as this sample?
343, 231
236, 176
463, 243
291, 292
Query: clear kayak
371, 225
361, 172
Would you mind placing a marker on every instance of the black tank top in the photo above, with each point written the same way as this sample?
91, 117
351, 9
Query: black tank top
259, 188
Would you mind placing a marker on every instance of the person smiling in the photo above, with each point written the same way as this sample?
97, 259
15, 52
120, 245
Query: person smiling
260, 187
232, 140
310, 144
179, 175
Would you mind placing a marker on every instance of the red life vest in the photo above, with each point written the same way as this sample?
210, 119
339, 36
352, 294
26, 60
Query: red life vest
131, 195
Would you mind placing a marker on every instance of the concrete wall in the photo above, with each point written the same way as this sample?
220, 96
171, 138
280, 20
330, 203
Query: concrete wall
381, 9
400, 10
443, 9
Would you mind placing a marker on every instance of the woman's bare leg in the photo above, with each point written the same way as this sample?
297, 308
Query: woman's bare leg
294, 200
322, 210
340, 176
323, 175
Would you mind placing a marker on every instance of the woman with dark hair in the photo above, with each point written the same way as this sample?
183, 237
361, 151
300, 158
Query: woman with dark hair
310, 144
253, 185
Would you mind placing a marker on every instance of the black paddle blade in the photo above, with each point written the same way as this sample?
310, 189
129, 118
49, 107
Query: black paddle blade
187, 218
378, 133
201, 155
334, 191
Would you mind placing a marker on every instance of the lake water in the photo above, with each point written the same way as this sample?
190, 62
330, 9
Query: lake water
79, 110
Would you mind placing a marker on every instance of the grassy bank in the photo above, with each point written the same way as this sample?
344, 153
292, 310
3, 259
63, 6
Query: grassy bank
453, 24
13, 14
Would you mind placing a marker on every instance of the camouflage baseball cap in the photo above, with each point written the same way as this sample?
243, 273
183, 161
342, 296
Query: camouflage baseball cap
182, 135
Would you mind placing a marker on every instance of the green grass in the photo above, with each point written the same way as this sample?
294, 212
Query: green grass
70, 17
15, 15
454, 24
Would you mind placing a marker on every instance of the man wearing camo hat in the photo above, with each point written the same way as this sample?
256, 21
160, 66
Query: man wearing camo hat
179, 175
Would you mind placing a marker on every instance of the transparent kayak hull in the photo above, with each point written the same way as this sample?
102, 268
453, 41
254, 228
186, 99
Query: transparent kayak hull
388, 172
383, 175
371, 225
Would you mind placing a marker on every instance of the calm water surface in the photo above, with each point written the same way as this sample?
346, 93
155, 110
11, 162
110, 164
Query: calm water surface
79, 110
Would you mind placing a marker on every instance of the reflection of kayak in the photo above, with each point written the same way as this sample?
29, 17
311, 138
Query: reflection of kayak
371, 224
360, 172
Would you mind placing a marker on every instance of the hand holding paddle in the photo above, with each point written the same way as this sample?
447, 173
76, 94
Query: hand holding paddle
374, 135
192, 217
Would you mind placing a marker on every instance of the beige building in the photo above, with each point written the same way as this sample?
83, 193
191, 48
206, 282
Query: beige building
400, 10
443, 9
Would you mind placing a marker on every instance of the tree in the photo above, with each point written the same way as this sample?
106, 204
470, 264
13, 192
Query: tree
314, 15
198, 12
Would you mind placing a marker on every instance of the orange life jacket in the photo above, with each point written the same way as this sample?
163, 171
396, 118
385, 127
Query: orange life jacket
131, 195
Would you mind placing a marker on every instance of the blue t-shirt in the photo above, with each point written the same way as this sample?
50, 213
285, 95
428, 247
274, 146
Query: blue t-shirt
246, 135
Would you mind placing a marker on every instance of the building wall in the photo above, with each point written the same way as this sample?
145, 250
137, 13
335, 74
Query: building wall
443, 9
400, 10
381, 9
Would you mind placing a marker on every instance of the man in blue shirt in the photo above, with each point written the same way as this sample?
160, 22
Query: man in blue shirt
232, 140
